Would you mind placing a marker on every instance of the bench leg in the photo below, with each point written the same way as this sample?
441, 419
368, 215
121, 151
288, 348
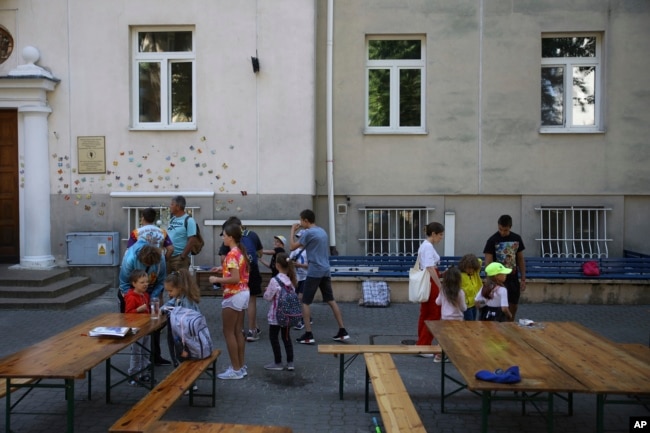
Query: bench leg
8, 405
341, 375
367, 402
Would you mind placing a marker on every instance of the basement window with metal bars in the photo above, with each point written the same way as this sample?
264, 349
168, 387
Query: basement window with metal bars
571, 231
393, 231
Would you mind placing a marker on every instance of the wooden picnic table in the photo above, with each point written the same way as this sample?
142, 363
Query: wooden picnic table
72, 354
553, 357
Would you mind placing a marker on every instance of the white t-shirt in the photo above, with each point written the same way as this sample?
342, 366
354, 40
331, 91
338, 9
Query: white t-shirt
428, 255
499, 298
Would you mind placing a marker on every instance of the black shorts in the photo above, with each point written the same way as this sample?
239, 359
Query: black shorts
312, 284
255, 281
514, 288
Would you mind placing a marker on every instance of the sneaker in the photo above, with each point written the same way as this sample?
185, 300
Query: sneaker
133, 382
342, 335
231, 374
162, 361
439, 358
244, 370
274, 366
290, 366
194, 388
300, 326
425, 355
253, 335
306, 338
145, 378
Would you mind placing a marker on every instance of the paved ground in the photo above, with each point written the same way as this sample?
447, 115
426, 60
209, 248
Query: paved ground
307, 399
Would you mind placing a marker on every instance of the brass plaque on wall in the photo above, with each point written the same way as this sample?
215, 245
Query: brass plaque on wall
91, 152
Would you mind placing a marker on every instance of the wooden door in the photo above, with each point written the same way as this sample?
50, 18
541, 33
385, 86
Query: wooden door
9, 227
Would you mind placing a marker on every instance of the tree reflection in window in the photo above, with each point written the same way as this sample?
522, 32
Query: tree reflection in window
569, 65
395, 77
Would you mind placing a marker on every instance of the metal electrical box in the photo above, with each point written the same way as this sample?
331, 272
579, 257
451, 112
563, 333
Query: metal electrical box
93, 248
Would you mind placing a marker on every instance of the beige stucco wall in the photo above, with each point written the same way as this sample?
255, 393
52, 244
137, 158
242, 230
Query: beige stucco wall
484, 155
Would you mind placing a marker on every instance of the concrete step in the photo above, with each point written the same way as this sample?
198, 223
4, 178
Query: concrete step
13, 277
66, 300
54, 288
51, 290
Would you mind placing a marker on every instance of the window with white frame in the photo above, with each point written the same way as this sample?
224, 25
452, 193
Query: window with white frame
571, 74
393, 231
163, 85
571, 231
395, 84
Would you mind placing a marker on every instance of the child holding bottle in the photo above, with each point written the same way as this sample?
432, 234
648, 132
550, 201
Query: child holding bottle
136, 300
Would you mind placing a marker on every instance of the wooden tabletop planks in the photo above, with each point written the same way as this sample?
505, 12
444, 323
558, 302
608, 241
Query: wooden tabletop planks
70, 354
474, 346
598, 363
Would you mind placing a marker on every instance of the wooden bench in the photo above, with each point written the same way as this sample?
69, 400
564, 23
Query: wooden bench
205, 427
154, 405
355, 350
379, 266
397, 411
18, 381
611, 268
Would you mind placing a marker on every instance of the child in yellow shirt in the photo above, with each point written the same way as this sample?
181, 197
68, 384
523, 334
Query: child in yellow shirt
470, 281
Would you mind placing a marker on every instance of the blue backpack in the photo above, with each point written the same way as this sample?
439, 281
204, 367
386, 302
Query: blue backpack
288, 311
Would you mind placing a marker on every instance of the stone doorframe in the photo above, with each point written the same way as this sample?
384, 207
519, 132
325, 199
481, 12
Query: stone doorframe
25, 89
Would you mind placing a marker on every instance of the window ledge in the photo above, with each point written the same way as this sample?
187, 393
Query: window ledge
570, 131
191, 127
395, 132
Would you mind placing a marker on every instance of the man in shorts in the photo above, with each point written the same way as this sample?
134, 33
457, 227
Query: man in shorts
316, 243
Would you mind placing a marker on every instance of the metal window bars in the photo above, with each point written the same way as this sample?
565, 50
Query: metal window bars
393, 231
570, 231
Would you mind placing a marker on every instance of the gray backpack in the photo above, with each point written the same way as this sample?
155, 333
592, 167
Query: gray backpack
191, 334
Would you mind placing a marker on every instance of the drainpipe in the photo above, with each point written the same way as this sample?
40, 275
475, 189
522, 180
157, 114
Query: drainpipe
330, 147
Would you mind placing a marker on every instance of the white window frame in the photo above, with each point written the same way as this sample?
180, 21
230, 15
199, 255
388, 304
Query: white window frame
395, 66
568, 63
166, 60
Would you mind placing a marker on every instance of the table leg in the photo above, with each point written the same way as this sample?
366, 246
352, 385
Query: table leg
600, 415
485, 410
90, 383
108, 380
549, 418
69, 395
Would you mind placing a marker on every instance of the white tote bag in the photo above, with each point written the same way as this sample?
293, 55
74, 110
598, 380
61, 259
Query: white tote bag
419, 284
